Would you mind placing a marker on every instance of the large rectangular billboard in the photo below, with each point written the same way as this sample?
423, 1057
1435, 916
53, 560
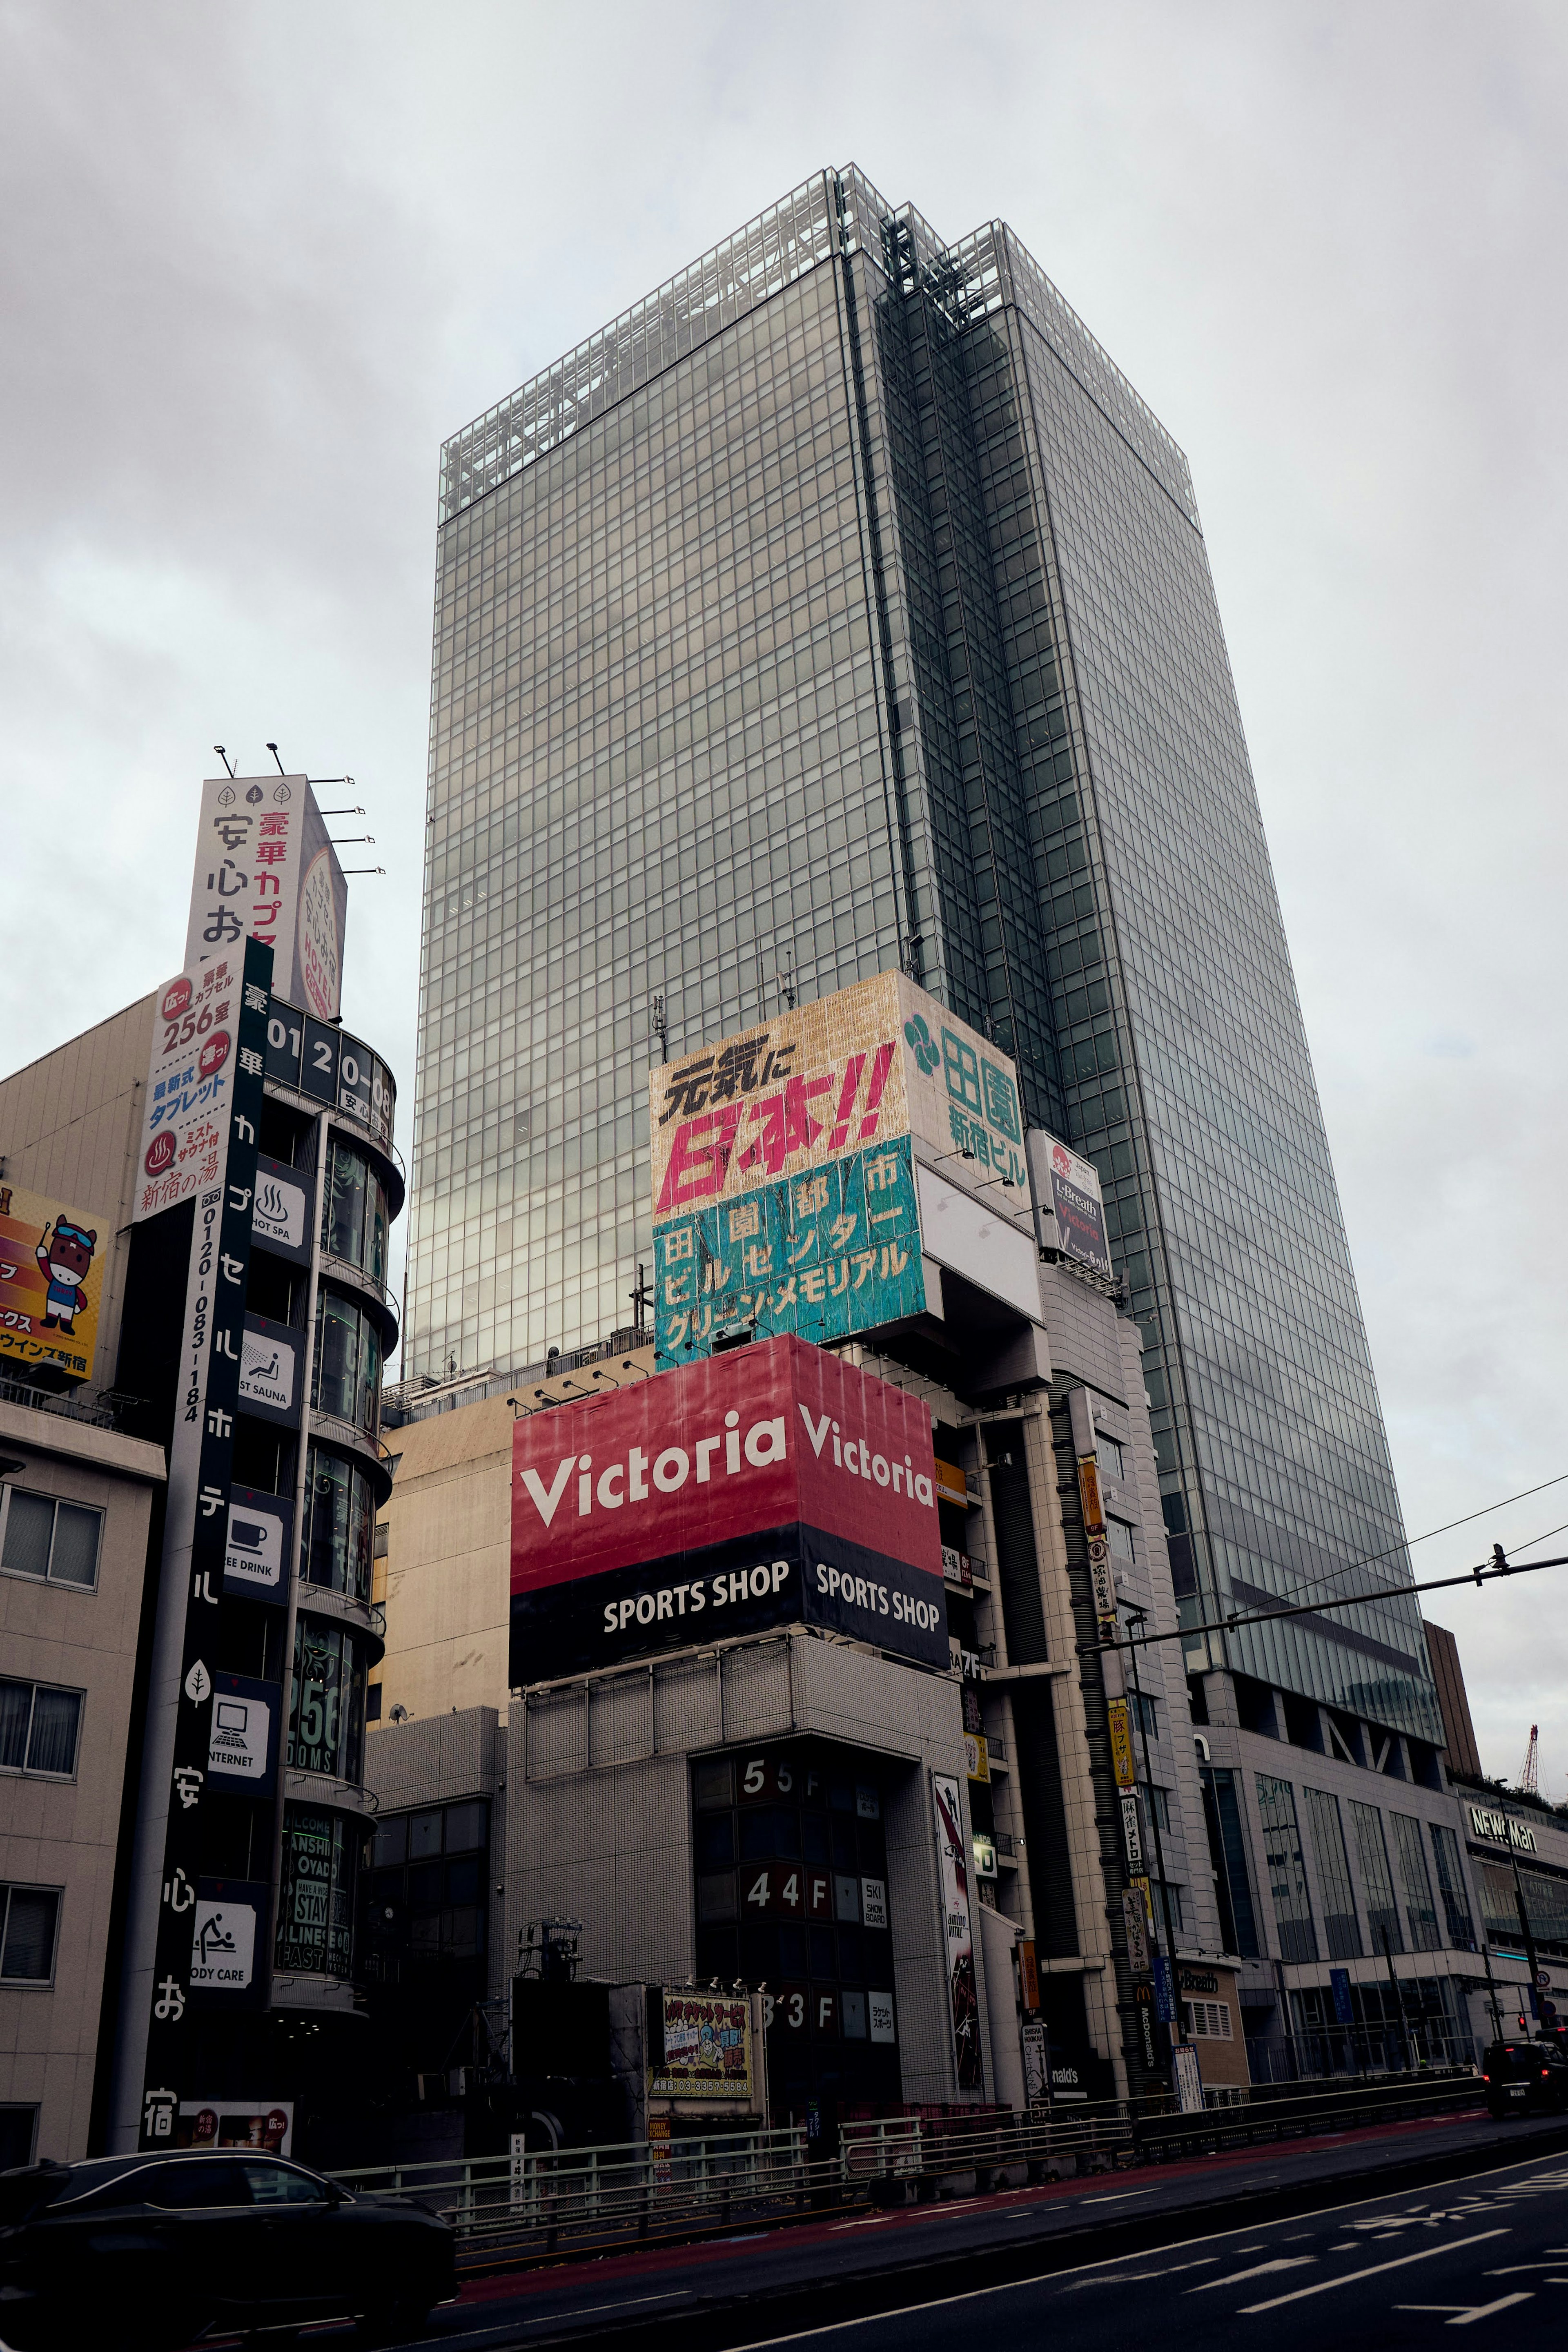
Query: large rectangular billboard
823, 1254
1073, 1211
783, 1162
769, 1486
52, 1255
265, 870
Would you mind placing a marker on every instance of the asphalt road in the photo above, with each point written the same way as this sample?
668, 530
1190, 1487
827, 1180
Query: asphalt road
1387, 2233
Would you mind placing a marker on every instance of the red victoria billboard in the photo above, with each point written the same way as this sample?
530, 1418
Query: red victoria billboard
770, 1486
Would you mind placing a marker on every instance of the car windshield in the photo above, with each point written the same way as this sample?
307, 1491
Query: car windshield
1516, 2058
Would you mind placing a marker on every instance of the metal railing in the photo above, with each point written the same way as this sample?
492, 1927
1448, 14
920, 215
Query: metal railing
512, 2211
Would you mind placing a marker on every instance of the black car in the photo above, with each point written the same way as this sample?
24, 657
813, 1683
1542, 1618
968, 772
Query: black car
1525, 2078
148, 2252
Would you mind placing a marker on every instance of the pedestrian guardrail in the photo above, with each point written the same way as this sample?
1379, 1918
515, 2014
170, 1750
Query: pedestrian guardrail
534, 2205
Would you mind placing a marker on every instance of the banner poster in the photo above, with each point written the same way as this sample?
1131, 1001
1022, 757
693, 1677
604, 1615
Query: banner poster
953, 1865
871, 1062
196, 1524
1136, 1921
1120, 1721
1073, 1211
1188, 2076
265, 870
774, 1485
707, 2047
52, 1254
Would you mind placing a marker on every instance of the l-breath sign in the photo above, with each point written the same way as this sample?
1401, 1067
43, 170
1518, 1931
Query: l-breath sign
771, 1486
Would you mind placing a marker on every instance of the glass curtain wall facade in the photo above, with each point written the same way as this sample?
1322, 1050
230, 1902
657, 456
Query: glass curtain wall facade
841, 606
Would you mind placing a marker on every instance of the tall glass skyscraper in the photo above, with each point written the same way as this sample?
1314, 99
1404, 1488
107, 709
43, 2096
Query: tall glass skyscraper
840, 604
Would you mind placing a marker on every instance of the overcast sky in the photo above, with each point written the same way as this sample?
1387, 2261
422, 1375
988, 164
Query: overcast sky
258, 260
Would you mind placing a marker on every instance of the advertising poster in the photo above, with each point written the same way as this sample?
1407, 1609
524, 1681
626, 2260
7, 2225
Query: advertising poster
265, 870
1121, 1744
770, 1486
825, 1255
872, 1061
264, 2125
1187, 2074
1073, 1211
1136, 1920
52, 1256
707, 2047
958, 1930
190, 1086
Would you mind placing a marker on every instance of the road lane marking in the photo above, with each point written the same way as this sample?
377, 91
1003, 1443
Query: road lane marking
1127, 2277
1118, 2196
1465, 2315
554, 2318
1258, 2270
1369, 2270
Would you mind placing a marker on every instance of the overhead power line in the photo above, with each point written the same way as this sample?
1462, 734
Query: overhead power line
1483, 1573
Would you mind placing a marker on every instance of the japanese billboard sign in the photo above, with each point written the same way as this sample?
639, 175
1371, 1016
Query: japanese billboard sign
707, 2047
265, 870
953, 1868
1121, 1743
1072, 1209
833, 1251
770, 1486
783, 1163
52, 1256
877, 1060
205, 1744
190, 1086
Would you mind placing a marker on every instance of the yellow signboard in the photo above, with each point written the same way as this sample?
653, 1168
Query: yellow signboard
52, 1255
977, 1756
1089, 1494
1121, 1743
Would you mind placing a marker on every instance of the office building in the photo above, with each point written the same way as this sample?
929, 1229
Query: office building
841, 609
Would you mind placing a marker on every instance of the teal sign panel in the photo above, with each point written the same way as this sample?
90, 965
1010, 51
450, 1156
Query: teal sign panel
831, 1252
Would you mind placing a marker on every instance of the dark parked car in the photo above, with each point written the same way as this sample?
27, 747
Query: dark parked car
149, 2251
1525, 2078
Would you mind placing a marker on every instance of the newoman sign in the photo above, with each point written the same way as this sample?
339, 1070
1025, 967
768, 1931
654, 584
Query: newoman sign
770, 1486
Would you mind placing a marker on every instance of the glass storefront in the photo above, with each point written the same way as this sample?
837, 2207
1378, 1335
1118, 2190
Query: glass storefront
340, 1525
316, 1895
354, 1211
327, 1700
346, 1378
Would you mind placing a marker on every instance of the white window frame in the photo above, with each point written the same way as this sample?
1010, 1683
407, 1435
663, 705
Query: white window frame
25, 1771
41, 1495
9, 1887
1207, 2021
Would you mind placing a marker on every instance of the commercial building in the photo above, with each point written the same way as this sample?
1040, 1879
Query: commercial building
77, 1499
220, 1144
704, 1719
839, 610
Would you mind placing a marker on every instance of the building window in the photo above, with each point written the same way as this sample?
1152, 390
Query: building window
30, 1918
327, 1700
1451, 1887
1157, 1807
39, 1726
1341, 1925
1112, 1457
348, 1363
1119, 1536
354, 1211
1287, 1871
340, 1515
18, 2136
1206, 2020
316, 1896
427, 1890
42, 1537
1420, 1912
1228, 1859
1144, 1713
1382, 1911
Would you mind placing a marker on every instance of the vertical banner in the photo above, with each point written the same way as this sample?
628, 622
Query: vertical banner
266, 870
196, 1531
1118, 1717
1029, 1973
1188, 2076
1136, 1920
1165, 1990
959, 1931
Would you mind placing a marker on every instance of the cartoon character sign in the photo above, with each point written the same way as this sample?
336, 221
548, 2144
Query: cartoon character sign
65, 1254
51, 1280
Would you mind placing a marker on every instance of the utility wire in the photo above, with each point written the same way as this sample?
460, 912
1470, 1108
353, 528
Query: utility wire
1372, 1558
